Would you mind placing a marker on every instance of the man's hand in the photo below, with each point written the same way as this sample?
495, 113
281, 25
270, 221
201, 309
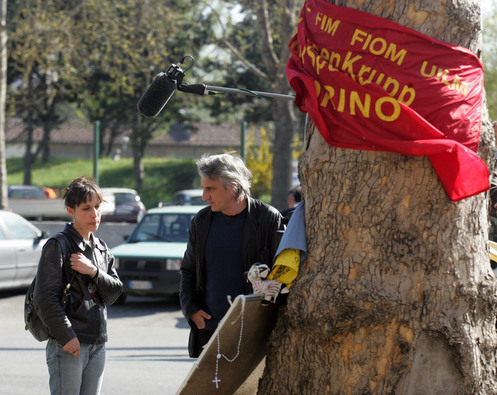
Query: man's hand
199, 318
72, 346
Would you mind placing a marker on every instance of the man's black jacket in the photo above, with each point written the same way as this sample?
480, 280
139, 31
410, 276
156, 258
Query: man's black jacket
262, 233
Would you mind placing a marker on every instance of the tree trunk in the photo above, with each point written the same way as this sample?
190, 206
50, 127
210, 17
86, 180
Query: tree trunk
396, 294
29, 158
45, 143
283, 116
139, 171
137, 148
3, 93
282, 154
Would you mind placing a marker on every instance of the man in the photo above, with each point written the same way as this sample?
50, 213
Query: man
294, 199
226, 238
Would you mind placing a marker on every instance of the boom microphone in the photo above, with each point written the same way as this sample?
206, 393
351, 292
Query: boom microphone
157, 95
161, 90
165, 84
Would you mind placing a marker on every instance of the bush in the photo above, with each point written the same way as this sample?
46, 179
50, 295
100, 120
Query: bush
163, 176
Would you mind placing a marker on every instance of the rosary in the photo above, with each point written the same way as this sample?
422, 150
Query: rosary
219, 355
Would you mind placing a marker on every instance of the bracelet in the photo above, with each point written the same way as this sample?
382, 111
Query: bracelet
95, 275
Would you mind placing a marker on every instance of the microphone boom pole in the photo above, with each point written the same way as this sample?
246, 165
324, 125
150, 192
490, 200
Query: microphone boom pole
202, 89
165, 84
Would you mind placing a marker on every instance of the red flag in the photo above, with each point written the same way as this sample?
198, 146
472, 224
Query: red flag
369, 83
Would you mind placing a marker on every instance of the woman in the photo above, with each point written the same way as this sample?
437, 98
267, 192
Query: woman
78, 330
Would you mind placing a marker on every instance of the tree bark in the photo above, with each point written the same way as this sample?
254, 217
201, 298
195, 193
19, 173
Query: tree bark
283, 111
137, 151
29, 158
396, 294
3, 94
281, 182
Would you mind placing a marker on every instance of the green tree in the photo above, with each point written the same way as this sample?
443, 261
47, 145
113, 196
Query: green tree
259, 161
99, 56
256, 38
128, 44
40, 68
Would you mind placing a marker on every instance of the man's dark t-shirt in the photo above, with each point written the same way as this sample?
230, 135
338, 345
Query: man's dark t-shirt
223, 264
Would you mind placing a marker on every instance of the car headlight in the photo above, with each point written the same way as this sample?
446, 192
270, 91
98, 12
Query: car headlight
173, 264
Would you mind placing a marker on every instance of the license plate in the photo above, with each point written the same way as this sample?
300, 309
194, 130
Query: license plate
124, 210
140, 284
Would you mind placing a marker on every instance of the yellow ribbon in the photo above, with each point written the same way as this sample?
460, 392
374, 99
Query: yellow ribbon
493, 254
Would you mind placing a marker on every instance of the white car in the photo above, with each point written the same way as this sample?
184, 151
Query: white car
186, 197
122, 205
20, 250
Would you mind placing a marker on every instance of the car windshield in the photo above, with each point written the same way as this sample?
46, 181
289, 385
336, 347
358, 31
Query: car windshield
19, 229
163, 227
187, 199
197, 201
27, 193
123, 198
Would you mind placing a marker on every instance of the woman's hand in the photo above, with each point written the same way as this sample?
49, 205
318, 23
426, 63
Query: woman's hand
83, 265
72, 347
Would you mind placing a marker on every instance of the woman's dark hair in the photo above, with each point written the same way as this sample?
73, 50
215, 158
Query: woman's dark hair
80, 190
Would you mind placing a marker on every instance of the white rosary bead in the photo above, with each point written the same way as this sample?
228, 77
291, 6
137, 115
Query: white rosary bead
219, 355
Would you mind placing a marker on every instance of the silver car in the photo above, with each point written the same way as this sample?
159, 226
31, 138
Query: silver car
20, 250
185, 197
122, 205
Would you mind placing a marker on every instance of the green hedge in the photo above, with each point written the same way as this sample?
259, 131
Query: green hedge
163, 177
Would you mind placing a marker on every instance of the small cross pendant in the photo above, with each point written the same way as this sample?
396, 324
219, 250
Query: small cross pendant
216, 380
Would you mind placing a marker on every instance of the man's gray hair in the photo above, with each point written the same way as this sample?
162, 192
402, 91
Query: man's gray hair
230, 169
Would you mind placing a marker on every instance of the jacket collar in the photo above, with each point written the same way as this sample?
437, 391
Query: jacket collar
250, 204
78, 239
250, 209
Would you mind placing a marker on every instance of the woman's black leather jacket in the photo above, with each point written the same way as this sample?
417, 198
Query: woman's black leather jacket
86, 314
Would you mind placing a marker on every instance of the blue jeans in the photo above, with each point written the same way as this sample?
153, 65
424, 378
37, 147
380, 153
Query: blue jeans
70, 375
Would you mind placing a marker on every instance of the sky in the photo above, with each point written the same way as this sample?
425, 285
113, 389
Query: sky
487, 5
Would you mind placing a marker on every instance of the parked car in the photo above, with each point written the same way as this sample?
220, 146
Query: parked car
186, 197
122, 205
26, 192
148, 262
32, 202
20, 250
